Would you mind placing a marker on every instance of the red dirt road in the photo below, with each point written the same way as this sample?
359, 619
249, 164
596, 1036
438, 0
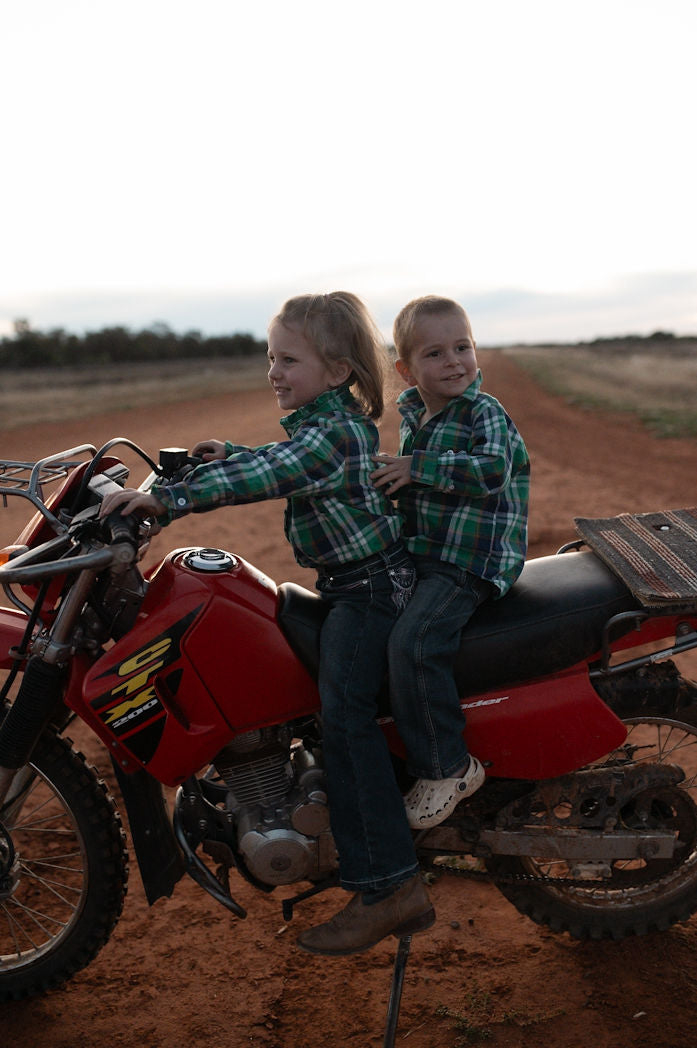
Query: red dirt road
185, 974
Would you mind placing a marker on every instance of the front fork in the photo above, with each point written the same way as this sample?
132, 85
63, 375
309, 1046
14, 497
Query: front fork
40, 695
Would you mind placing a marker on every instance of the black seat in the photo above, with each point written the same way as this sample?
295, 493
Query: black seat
551, 618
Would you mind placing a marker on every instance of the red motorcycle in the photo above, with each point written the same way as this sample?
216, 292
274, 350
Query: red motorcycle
200, 674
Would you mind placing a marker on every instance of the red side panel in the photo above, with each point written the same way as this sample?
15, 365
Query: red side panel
540, 729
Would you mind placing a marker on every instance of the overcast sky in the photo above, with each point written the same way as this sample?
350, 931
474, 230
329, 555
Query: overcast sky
197, 163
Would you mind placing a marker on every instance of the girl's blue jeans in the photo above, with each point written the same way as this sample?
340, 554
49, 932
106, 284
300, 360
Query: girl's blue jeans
367, 809
422, 648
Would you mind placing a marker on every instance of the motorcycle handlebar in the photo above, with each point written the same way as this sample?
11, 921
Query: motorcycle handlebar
18, 572
31, 565
122, 532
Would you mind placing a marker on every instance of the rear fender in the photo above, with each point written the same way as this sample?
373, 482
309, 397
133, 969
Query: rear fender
12, 626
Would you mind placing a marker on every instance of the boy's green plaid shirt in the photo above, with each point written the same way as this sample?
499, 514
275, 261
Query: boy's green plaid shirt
468, 500
334, 514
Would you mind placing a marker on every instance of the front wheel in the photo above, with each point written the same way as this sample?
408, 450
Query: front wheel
63, 870
635, 896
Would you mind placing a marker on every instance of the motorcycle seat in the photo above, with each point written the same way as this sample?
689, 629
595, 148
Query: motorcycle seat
550, 619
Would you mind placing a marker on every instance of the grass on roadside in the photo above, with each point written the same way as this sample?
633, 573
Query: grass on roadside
657, 387
62, 394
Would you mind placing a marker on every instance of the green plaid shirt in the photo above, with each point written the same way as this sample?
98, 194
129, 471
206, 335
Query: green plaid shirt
334, 513
468, 500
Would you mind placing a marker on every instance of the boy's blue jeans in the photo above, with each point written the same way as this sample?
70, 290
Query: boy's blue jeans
367, 810
422, 649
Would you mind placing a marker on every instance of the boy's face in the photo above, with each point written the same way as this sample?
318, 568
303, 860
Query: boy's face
442, 362
297, 372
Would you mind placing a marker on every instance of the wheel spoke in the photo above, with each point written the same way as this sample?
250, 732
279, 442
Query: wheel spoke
63, 870
44, 891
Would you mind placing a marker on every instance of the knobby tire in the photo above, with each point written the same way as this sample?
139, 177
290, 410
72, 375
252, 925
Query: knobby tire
65, 890
639, 896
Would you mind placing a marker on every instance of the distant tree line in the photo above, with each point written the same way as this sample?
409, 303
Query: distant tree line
631, 341
657, 336
28, 348
623, 345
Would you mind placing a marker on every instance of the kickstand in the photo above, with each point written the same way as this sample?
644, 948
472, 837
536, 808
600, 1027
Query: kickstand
400, 964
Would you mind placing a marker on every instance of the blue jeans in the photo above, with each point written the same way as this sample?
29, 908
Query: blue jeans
422, 649
368, 819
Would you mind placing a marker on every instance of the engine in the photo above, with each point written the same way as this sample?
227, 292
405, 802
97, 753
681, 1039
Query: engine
276, 791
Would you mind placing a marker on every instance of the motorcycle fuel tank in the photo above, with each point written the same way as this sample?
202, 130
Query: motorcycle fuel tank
204, 661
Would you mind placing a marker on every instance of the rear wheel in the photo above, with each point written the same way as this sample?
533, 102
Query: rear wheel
63, 870
632, 897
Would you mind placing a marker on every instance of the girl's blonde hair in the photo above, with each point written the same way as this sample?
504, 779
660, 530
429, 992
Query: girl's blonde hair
340, 328
408, 318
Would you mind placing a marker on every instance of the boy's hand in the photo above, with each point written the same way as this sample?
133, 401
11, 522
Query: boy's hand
133, 501
208, 450
393, 473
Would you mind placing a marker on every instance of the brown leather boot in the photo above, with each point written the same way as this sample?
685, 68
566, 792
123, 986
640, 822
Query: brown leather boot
358, 927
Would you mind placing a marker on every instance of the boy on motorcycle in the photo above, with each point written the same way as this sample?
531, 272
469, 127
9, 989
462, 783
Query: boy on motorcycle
463, 479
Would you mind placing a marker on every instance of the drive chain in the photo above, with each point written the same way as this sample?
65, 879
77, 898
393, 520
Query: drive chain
430, 865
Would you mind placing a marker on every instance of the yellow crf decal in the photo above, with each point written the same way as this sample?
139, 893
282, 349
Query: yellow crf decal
145, 657
147, 661
139, 669
136, 687
126, 711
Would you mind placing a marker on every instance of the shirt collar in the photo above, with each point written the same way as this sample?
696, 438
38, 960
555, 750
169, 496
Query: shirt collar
339, 399
411, 406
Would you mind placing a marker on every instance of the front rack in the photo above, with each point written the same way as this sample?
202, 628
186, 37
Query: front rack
28, 479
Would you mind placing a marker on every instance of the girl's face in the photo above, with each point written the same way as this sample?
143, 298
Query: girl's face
297, 372
442, 362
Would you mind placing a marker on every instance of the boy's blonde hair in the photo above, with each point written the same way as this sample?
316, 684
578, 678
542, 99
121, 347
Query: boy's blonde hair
340, 328
411, 314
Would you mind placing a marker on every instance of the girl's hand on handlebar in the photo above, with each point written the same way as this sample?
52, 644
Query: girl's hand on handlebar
208, 450
132, 501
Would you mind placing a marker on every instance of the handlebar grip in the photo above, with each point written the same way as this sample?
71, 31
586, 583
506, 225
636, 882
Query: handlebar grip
123, 529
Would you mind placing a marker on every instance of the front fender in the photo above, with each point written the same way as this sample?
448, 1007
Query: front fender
12, 626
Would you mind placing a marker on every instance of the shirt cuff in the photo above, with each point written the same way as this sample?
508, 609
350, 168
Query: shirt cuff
434, 470
177, 502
